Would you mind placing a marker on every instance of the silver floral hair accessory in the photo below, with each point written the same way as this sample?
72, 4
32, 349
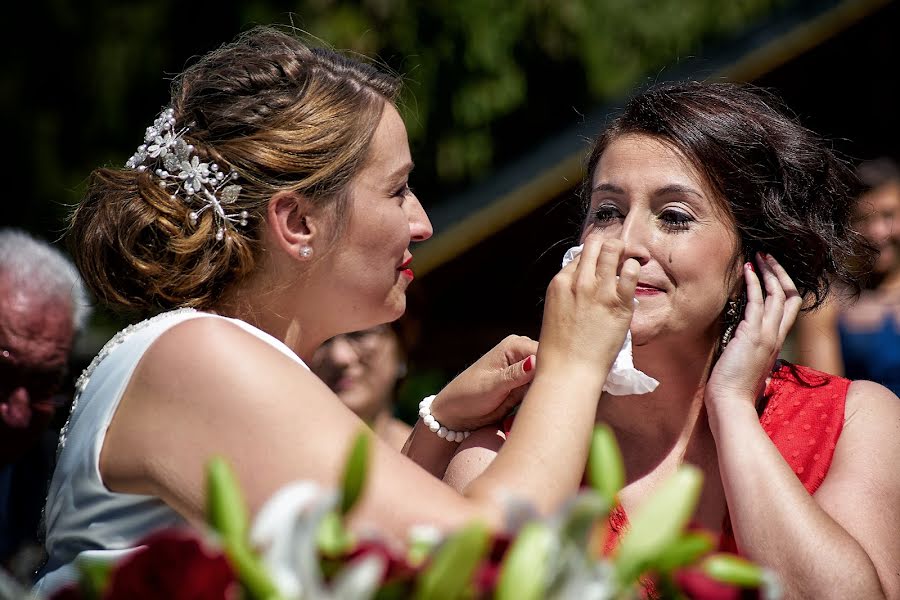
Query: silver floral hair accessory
182, 174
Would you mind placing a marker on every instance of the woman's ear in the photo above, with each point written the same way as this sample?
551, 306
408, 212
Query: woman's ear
294, 224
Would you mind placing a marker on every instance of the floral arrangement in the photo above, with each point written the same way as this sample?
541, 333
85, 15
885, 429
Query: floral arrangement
299, 548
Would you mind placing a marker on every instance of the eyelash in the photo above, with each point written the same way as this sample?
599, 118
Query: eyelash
673, 220
402, 191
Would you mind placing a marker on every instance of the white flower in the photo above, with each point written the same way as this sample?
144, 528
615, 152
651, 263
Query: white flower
285, 530
167, 155
161, 145
194, 173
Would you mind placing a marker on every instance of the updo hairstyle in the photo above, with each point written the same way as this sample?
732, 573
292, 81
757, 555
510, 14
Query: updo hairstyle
283, 116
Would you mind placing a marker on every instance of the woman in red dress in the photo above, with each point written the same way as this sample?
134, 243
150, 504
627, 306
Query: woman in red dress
707, 185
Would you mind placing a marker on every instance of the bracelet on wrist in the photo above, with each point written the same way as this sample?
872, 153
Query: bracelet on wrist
432, 423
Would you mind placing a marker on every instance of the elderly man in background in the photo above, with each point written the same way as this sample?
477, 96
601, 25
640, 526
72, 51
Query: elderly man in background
42, 306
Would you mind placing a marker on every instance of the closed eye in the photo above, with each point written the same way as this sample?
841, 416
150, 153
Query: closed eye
402, 191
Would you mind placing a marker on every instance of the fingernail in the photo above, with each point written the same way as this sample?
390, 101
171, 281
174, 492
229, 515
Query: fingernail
749, 265
528, 365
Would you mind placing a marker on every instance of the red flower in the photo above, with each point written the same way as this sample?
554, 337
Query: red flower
173, 565
396, 567
70, 592
487, 573
697, 585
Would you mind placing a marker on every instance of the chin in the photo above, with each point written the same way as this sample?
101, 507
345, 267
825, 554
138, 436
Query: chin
396, 305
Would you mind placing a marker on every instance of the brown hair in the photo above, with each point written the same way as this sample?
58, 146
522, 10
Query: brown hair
788, 194
283, 116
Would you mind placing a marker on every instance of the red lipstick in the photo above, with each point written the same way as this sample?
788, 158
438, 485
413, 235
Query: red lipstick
407, 272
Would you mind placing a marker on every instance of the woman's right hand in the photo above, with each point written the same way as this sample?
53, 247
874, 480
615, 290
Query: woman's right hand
588, 309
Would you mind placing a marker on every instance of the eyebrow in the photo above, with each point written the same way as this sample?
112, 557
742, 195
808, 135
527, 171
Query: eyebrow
677, 188
674, 188
608, 187
404, 170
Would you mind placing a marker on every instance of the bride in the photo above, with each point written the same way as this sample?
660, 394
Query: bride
268, 210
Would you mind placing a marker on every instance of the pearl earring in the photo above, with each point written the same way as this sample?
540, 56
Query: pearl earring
306, 251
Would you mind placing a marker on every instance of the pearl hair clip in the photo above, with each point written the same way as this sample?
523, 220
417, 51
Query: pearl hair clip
182, 174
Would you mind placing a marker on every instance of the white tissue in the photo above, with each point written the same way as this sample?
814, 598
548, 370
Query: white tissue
623, 378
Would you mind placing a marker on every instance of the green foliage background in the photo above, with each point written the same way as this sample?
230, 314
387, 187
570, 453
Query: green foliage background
485, 79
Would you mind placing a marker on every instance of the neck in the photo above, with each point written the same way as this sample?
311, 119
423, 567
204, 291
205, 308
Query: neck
381, 421
277, 310
664, 421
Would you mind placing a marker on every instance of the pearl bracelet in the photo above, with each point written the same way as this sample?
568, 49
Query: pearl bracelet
433, 425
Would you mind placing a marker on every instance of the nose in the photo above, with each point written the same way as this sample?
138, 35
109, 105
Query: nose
18, 395
419, 223
635, 233
341, 353
879, 228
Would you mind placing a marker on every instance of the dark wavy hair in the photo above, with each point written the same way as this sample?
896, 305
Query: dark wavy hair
787, 192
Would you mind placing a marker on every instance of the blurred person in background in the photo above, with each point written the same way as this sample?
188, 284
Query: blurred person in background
42, 306
861, 339
364, 369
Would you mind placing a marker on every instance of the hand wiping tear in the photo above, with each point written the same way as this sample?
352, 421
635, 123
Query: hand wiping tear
623, 378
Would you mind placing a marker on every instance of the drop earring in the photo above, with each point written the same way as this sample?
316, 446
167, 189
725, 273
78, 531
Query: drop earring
732, 317
306, 251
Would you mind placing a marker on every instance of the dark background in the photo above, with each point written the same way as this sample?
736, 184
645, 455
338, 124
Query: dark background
486, 83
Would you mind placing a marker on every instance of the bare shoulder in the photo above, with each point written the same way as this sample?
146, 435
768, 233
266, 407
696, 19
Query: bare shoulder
209, 345
870, 402
870, 439
205, 387
217, 375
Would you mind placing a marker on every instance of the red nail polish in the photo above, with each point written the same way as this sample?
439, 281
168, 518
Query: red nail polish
528, 365
749, 265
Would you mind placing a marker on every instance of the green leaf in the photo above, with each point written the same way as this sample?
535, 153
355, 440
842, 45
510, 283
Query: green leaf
332, 538
581, 514
606, 471
225, 508
94, 575
658, 523
684, 551
355, 472
449, 575
732, 569
524, 573
420, 546
251, 572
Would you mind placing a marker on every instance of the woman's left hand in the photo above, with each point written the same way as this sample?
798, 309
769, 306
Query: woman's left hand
741, 371
486, 391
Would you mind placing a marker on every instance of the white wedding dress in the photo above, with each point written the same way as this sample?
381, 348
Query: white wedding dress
83, 518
